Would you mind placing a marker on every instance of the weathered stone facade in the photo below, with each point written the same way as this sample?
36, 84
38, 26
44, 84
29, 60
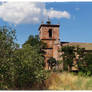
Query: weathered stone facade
49, 34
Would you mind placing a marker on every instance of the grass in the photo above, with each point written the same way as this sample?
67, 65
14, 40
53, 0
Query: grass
68, 81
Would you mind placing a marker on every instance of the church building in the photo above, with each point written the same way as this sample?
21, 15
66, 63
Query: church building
49, 34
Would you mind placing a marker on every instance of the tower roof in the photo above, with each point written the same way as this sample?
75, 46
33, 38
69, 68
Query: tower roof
48, 24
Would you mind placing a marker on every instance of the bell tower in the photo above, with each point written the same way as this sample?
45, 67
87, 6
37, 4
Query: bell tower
49, 34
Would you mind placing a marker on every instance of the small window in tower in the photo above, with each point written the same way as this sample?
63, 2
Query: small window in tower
50, 33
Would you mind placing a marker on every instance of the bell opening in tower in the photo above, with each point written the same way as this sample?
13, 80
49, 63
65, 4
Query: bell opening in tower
50, 33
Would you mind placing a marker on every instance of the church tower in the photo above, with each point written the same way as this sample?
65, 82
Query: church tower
49, 34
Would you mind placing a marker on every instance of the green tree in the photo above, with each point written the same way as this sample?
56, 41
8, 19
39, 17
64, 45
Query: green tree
20, 67
34, 41
88, 63
29, 67
85, 65
7, 47
52, 62
80, 61
84, 61
68, 56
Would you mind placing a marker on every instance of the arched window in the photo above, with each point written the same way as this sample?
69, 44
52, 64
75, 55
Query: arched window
50, 33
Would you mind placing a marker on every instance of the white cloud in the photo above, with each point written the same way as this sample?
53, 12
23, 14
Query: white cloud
56, 14
28, 12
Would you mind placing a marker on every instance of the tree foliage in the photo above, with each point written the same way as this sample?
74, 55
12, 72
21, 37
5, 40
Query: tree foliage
81, 55
7, 47
30, 60
20, 67
88, 63
68, 55
85, 65
52, 62
34, 41
29, 67
84, 59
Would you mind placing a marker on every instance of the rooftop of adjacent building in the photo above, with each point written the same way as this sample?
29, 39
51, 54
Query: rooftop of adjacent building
87, 46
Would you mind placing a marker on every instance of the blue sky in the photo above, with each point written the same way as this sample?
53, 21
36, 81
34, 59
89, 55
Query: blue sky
75, 22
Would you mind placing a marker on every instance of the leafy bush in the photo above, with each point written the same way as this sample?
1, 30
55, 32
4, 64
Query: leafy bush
52, 62
20, 67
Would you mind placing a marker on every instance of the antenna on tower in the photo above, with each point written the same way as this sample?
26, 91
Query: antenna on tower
48, 18
42, 22
59, 22
48, 21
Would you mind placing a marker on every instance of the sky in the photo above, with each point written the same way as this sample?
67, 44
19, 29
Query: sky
75, 19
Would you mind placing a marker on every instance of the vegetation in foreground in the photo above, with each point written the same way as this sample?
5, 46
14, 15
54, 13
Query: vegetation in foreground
68, 81
20, 68
23, 68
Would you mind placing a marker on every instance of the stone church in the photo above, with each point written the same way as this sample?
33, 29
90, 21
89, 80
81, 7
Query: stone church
49, 34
